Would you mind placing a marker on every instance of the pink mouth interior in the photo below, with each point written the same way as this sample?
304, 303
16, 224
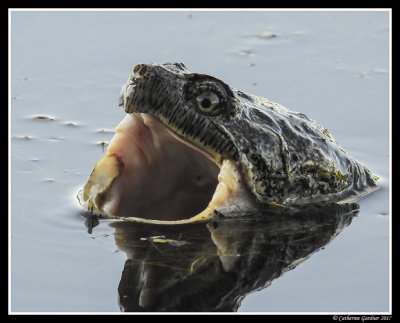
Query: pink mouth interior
162, 178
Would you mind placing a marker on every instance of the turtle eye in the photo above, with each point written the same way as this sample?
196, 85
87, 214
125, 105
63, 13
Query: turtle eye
207, 102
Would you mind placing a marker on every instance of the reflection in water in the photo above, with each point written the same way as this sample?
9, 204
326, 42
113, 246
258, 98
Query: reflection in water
213, 266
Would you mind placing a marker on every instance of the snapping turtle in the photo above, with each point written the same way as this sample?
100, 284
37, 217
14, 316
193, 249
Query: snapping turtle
191, 145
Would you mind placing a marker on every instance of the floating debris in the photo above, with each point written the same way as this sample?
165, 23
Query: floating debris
245, 52
103, 144
71, 124
266, 35
22, 137
43, 118
49, 180
105, 131
56, 138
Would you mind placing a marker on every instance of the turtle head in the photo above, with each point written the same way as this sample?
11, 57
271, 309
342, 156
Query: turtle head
172, 157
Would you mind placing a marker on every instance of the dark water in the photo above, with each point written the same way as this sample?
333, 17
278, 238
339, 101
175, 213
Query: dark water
67, 69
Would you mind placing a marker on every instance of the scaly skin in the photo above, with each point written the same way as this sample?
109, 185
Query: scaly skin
284, 156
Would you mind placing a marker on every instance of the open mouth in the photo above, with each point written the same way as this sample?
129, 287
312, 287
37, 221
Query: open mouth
149, 174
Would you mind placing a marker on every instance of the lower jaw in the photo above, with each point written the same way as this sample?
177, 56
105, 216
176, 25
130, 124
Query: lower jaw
230, 193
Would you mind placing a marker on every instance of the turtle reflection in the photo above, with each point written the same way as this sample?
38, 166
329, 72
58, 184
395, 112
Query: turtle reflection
213, 266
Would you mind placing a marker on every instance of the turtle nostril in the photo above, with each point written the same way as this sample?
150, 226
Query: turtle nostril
141, 68
136, 68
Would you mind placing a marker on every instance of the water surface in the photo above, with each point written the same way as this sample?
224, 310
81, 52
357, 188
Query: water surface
67, 68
